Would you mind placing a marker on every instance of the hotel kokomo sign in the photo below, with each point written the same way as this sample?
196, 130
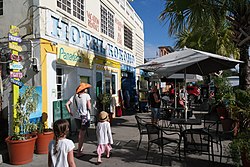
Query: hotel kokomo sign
74, 57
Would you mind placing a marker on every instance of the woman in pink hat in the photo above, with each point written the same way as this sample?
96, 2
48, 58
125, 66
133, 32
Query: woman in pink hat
82, 102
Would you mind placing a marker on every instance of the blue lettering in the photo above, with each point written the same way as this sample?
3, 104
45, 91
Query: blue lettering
110, 48
55, 23
74, 35
120, 54
115, 52
64, 30
100, 45
94, 43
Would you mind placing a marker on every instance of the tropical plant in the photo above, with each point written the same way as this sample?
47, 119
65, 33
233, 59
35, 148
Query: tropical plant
41, 124
105, 101
26, 104
221, 22
240, 146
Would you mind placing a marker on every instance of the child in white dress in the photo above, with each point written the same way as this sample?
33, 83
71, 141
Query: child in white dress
104, 136
61, 149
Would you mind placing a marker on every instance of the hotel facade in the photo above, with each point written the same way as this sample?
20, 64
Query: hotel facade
66, 42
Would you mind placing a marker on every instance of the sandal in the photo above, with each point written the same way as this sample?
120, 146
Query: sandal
109, 155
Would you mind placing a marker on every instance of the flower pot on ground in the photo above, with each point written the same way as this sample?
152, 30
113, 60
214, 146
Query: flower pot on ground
44, 136
21, 151
22, 143
42, 142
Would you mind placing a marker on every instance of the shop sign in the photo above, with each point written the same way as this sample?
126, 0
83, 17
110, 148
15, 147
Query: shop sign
74, 57
15, 38
16, 82
16, 66
64, 30
15, 47
16, 57
16, 74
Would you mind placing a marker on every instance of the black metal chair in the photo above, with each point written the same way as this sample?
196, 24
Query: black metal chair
225, 132
197, 140
141, 127
161, 138
219, 129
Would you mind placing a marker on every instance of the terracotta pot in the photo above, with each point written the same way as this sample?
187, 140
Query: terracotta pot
21, 151
42, 142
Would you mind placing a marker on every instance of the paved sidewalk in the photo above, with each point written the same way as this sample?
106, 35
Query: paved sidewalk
124, 153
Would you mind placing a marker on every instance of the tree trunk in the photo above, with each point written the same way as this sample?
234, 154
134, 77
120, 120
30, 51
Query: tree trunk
244, 72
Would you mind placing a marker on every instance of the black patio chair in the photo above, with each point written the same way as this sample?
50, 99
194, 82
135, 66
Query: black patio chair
211, 125
141, 127
197, 140
219, 129
226, 128
161, 138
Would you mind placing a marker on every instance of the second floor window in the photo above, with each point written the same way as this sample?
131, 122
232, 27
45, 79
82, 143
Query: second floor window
107, 21
75, 7
128, 38
1, 7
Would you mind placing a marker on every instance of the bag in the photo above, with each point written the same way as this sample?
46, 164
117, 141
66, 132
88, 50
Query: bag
85, 120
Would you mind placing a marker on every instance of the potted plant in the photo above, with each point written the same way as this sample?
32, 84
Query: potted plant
21, 144
44, 135
105, 99
240, 146
224, 96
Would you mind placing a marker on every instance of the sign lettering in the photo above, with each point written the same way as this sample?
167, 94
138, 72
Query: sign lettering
16, 74
16, 66
15, 38
16, 82
64, 30
15, 47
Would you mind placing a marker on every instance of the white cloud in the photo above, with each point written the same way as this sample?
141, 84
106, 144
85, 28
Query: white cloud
150, 50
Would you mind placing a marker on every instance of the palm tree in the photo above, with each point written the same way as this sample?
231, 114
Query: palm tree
219, 23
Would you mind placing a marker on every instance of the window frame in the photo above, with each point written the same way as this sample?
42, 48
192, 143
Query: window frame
101, 83
114, 87
73, 9
128, 37
107, 21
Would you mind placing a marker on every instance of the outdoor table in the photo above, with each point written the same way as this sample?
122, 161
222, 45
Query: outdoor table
181, 122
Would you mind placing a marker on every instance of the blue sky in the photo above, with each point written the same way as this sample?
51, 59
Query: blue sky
155, 31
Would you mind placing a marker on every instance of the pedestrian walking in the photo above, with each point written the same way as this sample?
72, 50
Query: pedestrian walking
61, 149
82, 114
104, 136
155, 103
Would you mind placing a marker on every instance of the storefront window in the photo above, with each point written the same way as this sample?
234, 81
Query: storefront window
114, 84
98, 83
107, 86
59, 83
1, 7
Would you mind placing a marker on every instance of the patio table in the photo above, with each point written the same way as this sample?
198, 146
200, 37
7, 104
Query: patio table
183, 122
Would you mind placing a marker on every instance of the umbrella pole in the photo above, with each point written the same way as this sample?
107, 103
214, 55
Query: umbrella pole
185, 91
175, 100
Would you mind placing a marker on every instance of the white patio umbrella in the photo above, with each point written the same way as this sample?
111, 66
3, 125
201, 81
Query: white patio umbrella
189, 61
